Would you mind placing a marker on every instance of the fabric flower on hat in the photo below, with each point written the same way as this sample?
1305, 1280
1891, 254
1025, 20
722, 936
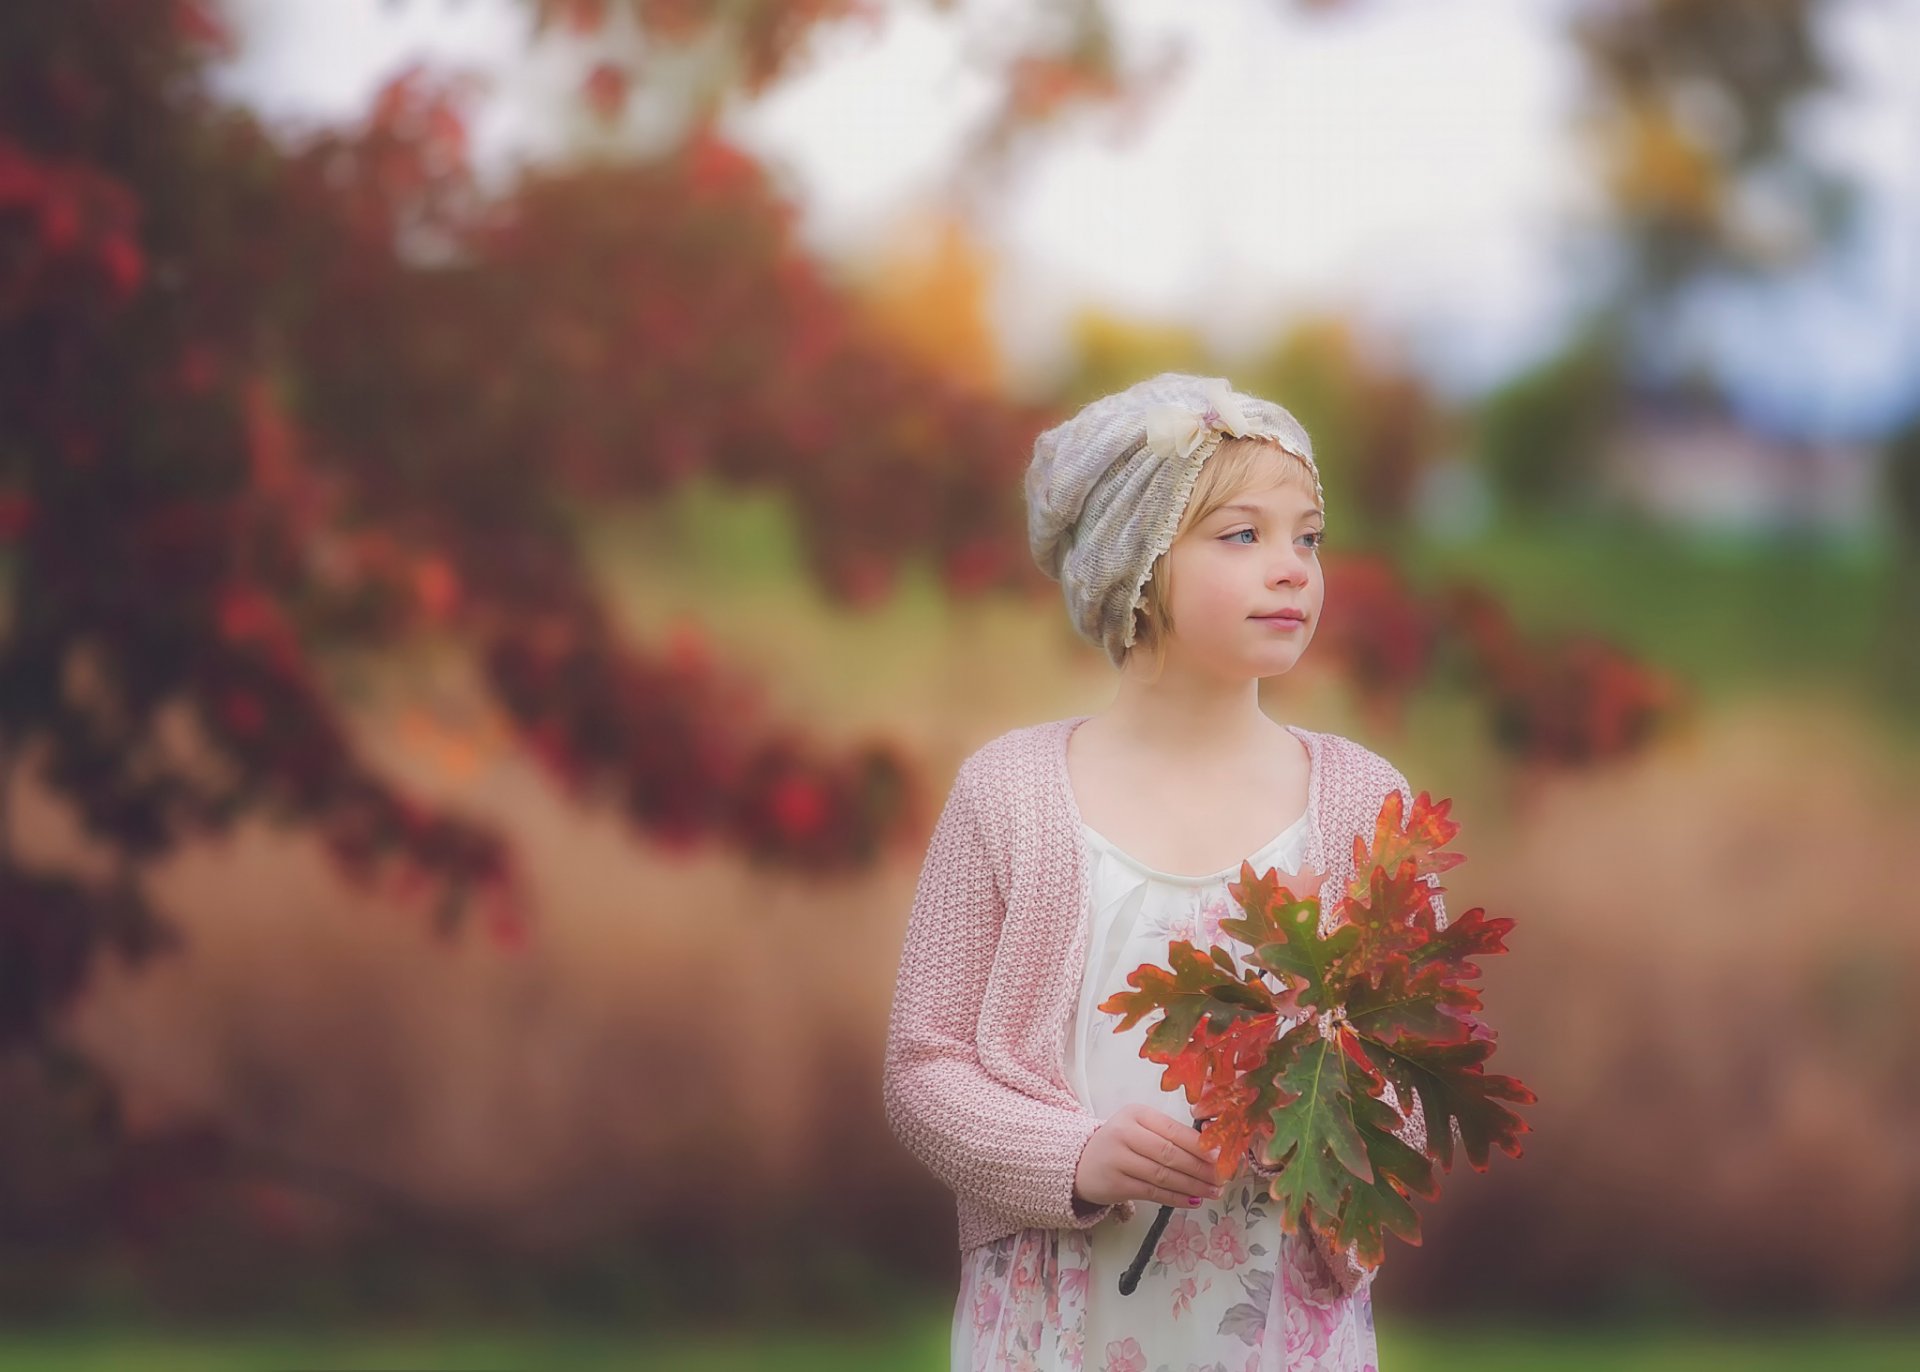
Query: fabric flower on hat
1176, 430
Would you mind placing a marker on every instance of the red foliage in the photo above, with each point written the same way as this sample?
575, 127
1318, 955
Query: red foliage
263, 402
1575, 701
1571, 702
16, 513
68, 229
196, 22
583, 16
606, 89
1376, 625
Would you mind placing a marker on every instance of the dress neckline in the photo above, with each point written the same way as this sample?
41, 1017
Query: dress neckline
1307, 740
1183, 878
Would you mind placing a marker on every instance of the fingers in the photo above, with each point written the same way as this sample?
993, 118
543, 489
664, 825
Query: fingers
1157, 1182
1179, 1200
1183, 1135
1187, 1136
1163, 1159
1179, 1136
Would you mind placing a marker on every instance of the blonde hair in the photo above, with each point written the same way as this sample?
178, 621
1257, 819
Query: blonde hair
1236, 466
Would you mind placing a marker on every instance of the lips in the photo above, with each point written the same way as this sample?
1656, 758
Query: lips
1284, 614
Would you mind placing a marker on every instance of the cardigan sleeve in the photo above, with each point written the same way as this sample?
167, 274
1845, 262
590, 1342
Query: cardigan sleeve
1413, 1130
984, 1139
1413, 1126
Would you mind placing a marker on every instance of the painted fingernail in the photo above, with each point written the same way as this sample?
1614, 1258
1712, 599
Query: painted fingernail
1193, 1200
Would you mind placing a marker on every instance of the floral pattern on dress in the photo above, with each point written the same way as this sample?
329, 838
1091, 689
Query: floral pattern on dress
1023, 1303
1199, 923
1023, 1298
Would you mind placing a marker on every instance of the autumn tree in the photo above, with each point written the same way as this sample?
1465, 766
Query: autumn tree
266, 405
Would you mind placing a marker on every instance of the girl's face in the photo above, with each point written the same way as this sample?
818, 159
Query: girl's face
1253, 557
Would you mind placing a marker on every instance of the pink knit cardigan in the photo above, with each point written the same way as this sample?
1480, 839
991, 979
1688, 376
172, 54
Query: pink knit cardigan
974, 1081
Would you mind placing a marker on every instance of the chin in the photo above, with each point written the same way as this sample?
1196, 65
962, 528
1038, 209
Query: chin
1270, 663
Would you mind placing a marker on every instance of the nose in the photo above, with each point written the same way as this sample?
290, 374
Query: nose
1292, 566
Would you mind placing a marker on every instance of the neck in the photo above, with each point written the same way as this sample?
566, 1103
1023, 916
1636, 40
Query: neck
1189, 713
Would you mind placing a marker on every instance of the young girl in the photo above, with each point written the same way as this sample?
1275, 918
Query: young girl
1183, 521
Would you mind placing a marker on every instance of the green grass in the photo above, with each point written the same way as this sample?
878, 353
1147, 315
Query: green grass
1724, 614
921, 1347
1834, 1348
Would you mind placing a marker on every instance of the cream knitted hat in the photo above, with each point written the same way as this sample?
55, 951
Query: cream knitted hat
1106, 489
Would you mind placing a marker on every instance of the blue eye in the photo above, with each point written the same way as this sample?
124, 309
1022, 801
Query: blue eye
1318, 537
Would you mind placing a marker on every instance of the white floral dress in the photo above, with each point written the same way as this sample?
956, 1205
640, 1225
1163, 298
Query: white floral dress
1225, 1290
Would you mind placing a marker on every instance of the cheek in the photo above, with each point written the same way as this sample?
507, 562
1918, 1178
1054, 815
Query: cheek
1206, 587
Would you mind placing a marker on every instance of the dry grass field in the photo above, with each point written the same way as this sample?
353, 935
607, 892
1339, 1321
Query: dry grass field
1712, 985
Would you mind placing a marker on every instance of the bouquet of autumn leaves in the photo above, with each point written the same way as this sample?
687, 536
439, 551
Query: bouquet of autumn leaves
1382, 996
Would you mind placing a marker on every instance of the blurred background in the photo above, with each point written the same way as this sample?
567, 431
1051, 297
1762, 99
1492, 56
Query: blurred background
510, 517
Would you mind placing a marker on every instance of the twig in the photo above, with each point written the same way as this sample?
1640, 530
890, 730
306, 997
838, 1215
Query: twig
1131, 1277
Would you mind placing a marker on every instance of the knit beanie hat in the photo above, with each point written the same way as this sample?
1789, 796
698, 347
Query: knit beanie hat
1106, 489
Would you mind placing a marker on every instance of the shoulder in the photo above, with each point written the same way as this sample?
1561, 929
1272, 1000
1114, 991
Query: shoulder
1354, 783
1356, 786
1028, 746
1021, 761
1353, 769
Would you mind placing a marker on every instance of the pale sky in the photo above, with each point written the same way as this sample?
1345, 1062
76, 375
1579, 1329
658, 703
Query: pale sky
1406, 162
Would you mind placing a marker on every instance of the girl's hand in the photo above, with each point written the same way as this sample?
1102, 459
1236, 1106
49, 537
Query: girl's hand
1145, 1154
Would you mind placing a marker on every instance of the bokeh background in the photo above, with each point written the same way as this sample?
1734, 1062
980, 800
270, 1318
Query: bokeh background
510, 517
